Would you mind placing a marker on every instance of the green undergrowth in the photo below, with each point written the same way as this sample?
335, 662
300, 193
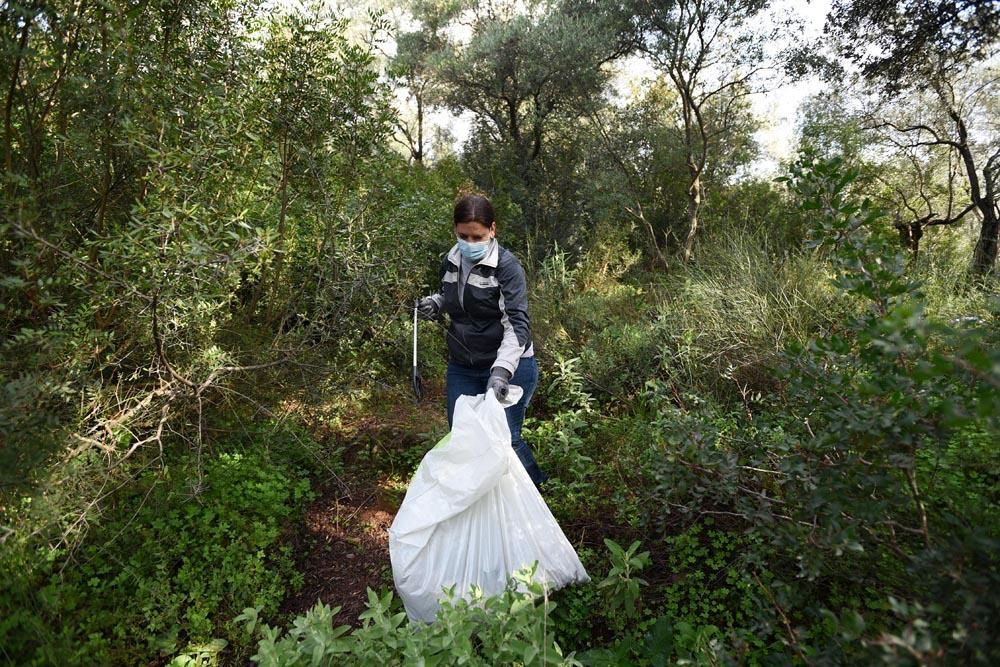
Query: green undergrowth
761, 458
715, 328
604, 622
173, 556
506, 629
800, 441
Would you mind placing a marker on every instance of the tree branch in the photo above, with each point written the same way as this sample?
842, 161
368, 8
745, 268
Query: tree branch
938, 141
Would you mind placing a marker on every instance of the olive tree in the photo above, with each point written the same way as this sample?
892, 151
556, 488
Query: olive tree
912, 37
933, 103
640, 163
951, 124
523, 67
162, 159
712, 52
413, 69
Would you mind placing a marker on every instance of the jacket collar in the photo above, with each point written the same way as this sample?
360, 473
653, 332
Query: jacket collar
491, 259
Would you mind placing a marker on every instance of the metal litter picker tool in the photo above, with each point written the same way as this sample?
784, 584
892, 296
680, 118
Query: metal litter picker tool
418, 382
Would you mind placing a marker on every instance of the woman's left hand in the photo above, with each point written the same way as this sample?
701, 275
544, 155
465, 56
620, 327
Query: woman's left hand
499, 383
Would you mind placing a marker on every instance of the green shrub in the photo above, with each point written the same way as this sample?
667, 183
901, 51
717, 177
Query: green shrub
960, 477
511, 628
578, 615
851, 476
621, 587
661, 643
583, 313
184, 548
621, 356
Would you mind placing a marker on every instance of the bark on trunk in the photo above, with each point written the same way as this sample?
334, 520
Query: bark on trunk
418, 155
279, 260
983, 196
8, 122
640, 215
985, 255
694, 204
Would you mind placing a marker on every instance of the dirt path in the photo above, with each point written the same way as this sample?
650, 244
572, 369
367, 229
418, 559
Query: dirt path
342, 551
342, 547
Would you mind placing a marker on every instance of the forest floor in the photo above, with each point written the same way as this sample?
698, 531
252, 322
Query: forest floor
342, 549
342, 546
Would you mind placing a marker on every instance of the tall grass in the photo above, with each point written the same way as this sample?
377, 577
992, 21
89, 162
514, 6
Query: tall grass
726, 319
943, 271
714, 326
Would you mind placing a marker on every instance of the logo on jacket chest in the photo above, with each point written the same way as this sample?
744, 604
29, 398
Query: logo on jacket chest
482, 282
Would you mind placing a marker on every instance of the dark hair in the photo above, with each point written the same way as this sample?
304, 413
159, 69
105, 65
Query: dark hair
474, 208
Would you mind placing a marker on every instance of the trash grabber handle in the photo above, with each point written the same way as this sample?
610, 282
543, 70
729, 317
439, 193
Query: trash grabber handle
418, 383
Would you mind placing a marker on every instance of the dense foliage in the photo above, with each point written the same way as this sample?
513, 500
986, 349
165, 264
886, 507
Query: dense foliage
174, 568
772, 442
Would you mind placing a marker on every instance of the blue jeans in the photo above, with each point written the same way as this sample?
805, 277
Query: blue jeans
465, 381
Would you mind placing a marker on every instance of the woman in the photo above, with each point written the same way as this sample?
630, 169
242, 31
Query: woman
483, 289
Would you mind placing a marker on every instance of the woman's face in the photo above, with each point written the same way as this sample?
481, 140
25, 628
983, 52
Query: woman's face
475, 232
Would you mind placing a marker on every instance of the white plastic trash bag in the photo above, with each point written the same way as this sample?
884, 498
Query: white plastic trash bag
472, 516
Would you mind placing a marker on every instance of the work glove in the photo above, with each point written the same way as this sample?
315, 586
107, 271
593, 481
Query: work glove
427, 308
499, 382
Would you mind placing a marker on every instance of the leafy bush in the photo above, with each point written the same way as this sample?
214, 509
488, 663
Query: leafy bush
580, 312
621, 587
183, 549
843, 481
662, 644
511, 628
521, 626
223, 161
578, 618
560, 439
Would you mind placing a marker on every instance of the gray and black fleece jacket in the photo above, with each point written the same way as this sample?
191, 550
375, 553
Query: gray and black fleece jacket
489, 317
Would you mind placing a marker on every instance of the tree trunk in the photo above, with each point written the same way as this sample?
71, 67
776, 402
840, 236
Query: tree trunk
693, 207
8, 123
910, 234
983, 197
282, 246
984, 257
640, 215
418, 155
273, 280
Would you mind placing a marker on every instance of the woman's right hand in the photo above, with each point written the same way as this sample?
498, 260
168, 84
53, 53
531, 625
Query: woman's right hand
427, 308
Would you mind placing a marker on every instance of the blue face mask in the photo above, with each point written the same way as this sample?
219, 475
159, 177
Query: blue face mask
473, 251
